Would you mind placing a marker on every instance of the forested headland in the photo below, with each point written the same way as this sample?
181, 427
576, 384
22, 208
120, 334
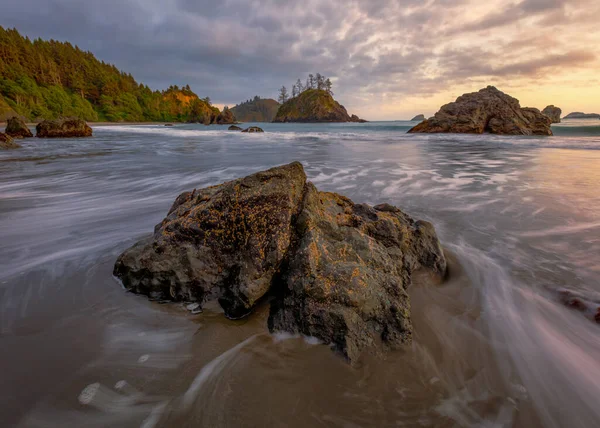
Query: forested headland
256, 109
42, 79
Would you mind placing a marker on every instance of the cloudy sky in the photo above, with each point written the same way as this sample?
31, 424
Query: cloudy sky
388, 59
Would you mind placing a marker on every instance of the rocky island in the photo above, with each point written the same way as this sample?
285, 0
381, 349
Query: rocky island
419, 118
313, 105
336, 270
488, 110
580, 115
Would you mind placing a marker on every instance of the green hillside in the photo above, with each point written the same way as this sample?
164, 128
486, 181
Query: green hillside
256, 110
49, 79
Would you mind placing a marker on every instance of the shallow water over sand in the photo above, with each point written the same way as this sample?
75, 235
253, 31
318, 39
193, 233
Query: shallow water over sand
492, 347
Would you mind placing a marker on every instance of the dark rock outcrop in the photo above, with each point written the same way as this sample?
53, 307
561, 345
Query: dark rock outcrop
226, 117
588, 305
168, 124
253, 129
338, 271
355, 118
347, 278
418, 118
6, 142
580, 115
16, 128
313, 105
222, 242
488, 110
553, 113
234, 128
63, 128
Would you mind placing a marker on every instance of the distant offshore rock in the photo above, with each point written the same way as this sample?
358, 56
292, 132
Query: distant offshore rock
488, 110
7, 142
17, 128
336, 270
418, 118
226, 117
553, 113
355, 118
63, 128
314, 106
234, 128
580, 115
253, 129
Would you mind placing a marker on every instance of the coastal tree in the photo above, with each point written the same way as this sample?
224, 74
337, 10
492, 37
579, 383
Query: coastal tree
317, 81
328, 86
283, 95
320, 81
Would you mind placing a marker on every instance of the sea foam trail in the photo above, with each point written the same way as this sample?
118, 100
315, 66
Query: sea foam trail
212, 370
555, 361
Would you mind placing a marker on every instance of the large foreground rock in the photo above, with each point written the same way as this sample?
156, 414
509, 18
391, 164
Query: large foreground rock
348, 275
17, 128
553, 113
7, 143
488, 110
224, 242
337, 271
63, 128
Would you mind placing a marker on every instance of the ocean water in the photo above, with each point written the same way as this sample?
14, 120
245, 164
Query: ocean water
494, 346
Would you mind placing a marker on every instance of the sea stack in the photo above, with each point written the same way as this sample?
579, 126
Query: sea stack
16, 128
488, 110
314, 105
226, 117
336, 270
553, 113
